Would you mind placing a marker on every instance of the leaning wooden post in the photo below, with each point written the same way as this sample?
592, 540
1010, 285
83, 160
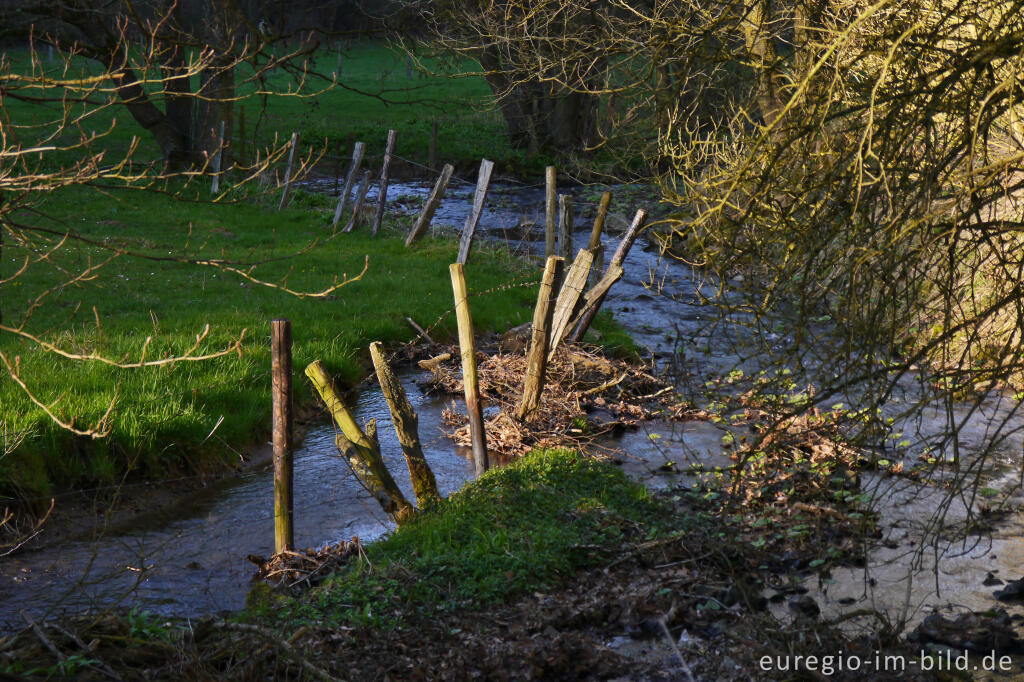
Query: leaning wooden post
565, 220
433, 201
407, 427
549, 211
483, 181
569, 298
597, 268
595, 246
590, 311
350, 179
288, 172
361, 449
469, 377
281, 372
385, 175
364, 187
536, 359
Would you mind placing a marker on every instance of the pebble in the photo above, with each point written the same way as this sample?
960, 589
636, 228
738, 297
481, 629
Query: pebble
805, 606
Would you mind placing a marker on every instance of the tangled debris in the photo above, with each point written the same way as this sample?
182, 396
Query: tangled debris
794, 485
799, 460
586, 395
291, 569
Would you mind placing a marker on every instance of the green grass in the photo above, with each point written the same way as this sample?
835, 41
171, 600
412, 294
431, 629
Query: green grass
163, 416
469, 128
525, 526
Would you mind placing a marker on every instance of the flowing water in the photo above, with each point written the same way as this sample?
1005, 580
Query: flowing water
193, 560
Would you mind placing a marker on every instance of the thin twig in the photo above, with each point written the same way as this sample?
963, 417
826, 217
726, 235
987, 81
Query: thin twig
42, 637
282, 644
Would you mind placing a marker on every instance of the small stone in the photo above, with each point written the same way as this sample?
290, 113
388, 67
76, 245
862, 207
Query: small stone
649, 627
805, 606
1014, 591
991, 580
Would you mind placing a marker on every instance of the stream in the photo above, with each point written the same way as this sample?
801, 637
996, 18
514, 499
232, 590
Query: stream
192, 561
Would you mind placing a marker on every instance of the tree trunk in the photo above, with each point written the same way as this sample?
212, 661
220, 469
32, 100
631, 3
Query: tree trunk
760, 45
214, 104
142, 109
178, 108
540, 115
510, 99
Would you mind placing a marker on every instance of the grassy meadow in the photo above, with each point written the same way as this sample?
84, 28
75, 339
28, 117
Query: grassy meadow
163, 416
193, 417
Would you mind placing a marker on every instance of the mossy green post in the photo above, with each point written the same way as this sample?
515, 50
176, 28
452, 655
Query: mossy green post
361, 449
406, 423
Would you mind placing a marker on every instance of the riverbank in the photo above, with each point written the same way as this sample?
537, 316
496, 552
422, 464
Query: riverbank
555, 566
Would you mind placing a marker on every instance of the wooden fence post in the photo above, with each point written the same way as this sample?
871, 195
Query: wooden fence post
536, 359
433, 201
549, 211
361, 449
595, 246
281, 373
407, 427
565, 220
568, 299
385, 175
594, 303
483, 181
469, 376
288, 172
350, 179
364, 187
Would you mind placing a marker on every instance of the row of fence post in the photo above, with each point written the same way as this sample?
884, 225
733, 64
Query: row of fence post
558, 211
557, 310
567, 302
